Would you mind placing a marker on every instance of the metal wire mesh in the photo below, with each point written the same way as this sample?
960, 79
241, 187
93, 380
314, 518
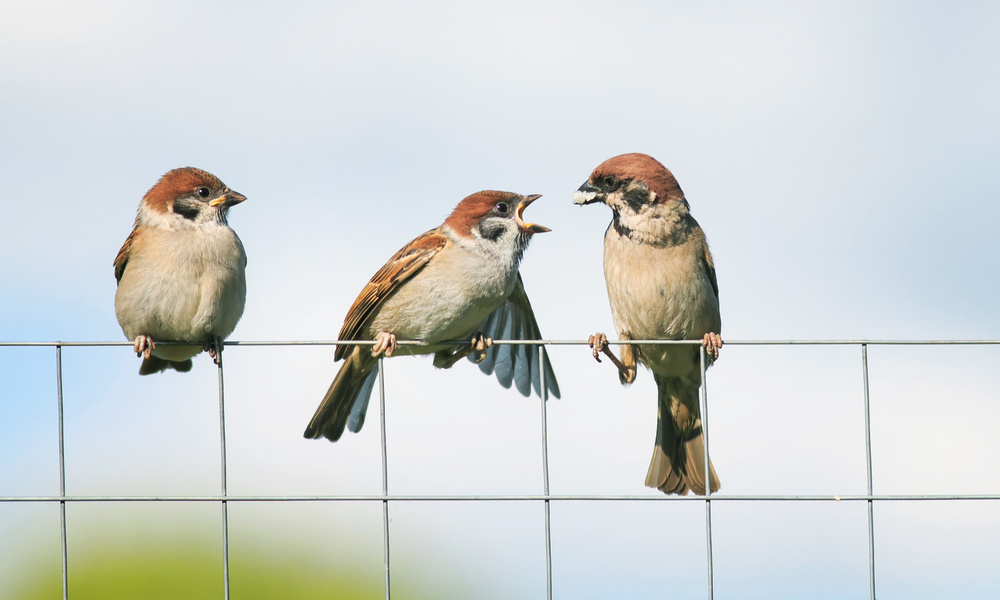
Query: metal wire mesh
546, 498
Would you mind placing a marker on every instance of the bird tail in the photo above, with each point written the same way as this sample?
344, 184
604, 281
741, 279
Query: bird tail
346, 402
155, 364
678, 462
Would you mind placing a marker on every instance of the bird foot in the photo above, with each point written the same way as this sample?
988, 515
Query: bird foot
480, 343
712, 343
599, 344
385, 342
144, 346
214, 349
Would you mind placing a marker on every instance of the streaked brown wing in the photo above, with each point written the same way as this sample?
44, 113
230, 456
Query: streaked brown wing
403, 265
122, 259
710, 267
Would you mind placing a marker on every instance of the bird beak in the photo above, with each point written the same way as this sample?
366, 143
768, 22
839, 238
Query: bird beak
587, 194
520, 215
228, 199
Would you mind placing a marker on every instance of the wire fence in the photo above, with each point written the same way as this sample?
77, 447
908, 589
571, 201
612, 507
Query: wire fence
224, 498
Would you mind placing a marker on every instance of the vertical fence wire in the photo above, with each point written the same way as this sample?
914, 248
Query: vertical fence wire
544, 395
708, 473
385, 475
225, 503
64, 548
868, 460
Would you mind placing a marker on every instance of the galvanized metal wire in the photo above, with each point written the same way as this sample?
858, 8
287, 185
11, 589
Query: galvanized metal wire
546, 498
224, 502
62, 478
702, 358
545, 475
868, 470
385, 475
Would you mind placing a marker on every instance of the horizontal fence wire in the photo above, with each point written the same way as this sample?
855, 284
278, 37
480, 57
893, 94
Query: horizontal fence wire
507, 497
816, 342
385, 498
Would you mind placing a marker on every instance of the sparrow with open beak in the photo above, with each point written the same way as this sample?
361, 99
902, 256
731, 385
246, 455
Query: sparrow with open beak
661, 285
181, 272
459, 281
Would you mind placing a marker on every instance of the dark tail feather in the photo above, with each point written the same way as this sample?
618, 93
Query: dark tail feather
346, 399
678, 462
664, 471
357, 418
154, 364
694, 449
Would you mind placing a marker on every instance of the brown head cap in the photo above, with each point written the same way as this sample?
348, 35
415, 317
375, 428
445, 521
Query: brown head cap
181, 182
640, 167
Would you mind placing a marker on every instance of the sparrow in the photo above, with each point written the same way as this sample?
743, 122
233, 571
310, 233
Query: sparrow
181, 273
661, 285
459, 281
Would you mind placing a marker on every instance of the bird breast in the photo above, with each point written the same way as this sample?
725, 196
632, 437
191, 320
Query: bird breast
183, 285
660, 292
448, 299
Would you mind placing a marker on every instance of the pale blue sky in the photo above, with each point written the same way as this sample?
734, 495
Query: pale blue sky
842, 158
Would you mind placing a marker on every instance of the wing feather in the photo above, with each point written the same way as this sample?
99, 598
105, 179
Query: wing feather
123, 255
706, 260
403, 265
515, 320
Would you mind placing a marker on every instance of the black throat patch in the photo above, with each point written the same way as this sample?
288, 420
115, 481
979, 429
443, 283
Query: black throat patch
618, 226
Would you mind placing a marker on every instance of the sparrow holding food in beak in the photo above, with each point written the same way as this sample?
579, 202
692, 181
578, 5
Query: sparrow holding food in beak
662, 286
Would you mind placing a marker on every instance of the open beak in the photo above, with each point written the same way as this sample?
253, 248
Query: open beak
228, 199
532, 227
587, 194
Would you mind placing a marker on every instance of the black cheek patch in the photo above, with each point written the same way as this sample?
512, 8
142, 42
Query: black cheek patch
186, 210
636, 198
491, 229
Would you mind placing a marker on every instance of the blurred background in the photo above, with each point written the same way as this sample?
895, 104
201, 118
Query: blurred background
842, 158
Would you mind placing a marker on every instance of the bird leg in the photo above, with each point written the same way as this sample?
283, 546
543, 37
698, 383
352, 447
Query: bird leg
144, 346
712, 343
384, 342
479, 343
599, 343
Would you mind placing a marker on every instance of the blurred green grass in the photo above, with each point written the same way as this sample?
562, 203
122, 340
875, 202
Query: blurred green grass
193, 572
173, 550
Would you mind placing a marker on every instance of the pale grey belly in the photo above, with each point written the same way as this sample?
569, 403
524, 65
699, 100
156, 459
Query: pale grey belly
432, 308
182, 308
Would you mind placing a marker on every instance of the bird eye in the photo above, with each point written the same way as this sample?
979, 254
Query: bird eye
611, 182
203, 192
502, 208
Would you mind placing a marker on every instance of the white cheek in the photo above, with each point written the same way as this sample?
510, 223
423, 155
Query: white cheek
155, 218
